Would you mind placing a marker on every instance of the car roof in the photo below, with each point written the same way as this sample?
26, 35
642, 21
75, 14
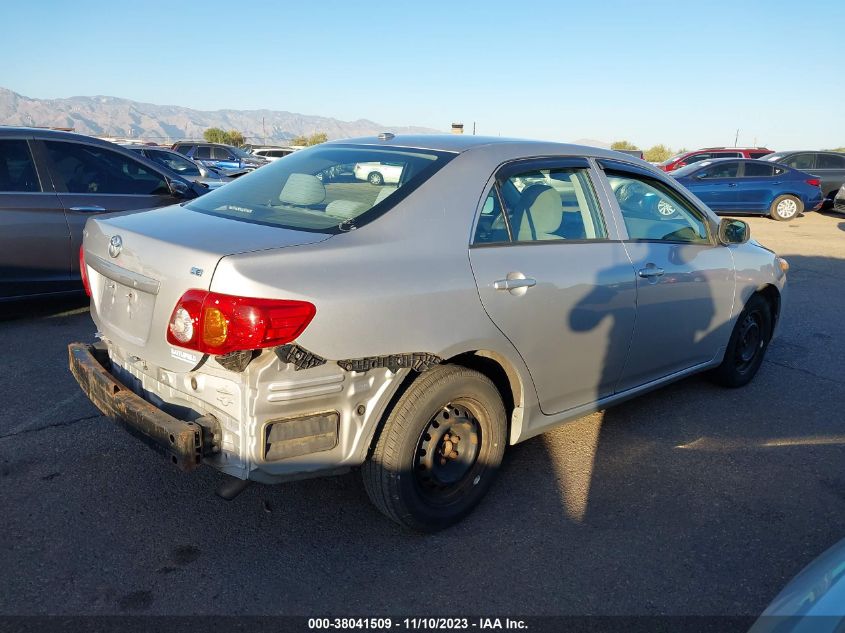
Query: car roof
42, 133
809, 151
459, 143
714, 161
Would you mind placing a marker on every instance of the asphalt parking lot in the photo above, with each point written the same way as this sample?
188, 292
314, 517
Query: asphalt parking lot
691, 500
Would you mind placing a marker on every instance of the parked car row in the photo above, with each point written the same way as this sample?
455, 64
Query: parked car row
50, 184
742, 180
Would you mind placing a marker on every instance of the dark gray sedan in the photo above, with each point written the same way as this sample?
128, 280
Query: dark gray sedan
50, 184
829, 167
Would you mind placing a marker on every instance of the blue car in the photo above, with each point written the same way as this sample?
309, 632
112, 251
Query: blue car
219, 156
745, 186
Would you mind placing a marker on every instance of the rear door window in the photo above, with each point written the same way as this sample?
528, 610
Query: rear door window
83, 168
829, 161
17, 169
758, 170
203, 152
546, 204
720, 170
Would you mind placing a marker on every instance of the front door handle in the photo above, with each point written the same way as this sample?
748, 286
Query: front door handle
650, 271
731, 184
512, 284
89, 209
515, 283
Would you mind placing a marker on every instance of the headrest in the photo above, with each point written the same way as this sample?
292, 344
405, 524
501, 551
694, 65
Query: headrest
345, 209
303, 189
542, 204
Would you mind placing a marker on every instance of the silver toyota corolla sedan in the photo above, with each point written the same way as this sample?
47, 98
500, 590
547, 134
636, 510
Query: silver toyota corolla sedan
285, 326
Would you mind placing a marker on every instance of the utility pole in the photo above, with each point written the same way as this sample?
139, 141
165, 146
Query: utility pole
736, 138
473, 128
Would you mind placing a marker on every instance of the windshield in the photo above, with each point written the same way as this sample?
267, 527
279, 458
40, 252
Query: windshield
671, 160
242, 153
175, 162
773, 157
326, 189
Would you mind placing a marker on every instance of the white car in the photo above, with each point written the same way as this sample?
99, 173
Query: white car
272, 153
378, 173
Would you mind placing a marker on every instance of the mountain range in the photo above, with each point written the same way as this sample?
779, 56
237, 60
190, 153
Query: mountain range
116, 117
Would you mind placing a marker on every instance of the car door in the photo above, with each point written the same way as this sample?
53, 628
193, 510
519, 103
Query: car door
830, 168
716, 186
685, 280
35, 250
225, 159
759, 185
555, 279
92, 179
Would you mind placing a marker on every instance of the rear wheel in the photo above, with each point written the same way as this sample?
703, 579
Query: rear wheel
439, 450
747, 345
375, 178
785, 208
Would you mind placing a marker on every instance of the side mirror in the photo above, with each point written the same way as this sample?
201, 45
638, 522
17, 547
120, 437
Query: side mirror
733, 231
179, 188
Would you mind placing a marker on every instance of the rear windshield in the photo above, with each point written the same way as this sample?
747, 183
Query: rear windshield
324, 189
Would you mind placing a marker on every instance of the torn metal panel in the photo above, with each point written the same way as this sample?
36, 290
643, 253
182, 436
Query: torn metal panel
418, 361
299, 357
237, 361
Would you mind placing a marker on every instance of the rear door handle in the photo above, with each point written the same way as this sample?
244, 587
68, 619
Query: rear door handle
89, 209
650, 271
513, 284
731, 184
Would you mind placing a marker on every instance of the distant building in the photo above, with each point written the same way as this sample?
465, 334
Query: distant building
457, 128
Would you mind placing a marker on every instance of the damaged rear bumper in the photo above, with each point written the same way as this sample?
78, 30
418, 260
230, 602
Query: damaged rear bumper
185, 443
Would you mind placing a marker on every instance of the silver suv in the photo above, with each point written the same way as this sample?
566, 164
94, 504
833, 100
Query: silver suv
286, 326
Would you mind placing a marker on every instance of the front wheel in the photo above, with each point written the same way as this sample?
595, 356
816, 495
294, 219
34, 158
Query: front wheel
747, 345
439, 450
785, 208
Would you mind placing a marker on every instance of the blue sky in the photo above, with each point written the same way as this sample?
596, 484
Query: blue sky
680, 73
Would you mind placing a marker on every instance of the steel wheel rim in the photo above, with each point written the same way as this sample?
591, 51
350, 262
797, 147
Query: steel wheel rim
749, 341
786, 208
447, 452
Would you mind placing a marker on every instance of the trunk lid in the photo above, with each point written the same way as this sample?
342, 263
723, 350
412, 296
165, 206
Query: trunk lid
140, 264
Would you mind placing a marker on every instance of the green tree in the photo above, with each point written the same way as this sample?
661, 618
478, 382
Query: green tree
657, 154
313, 139
214, 135
231, 137
622, 145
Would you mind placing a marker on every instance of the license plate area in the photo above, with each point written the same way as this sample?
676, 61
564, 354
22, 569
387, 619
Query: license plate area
126, 310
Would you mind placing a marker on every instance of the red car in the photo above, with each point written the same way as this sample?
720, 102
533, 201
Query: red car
688, 158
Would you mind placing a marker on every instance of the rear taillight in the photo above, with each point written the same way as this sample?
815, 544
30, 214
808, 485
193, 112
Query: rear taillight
83, 271
214, 323
814, 182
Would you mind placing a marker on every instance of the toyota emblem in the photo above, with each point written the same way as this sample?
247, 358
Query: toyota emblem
115, 245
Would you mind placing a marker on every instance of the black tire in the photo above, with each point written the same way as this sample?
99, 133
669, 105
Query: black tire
375, 178
785, 208
409, 476
747, 345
